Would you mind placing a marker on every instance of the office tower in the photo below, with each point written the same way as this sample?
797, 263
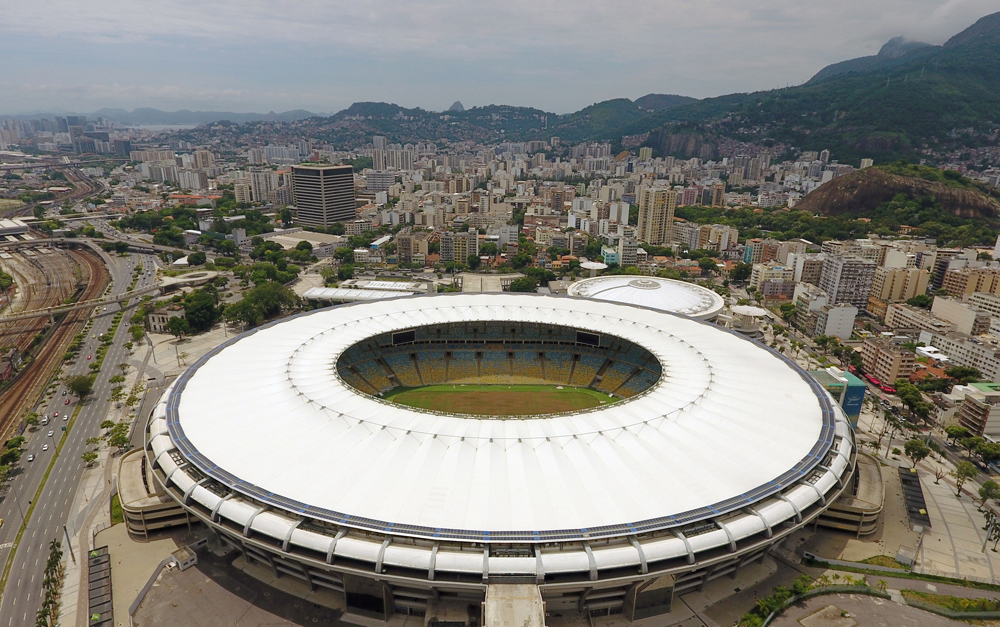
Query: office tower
324, 194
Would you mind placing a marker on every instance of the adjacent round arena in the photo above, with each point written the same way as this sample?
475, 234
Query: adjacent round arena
701, 450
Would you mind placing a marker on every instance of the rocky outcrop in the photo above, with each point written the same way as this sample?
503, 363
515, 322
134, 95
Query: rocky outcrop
863, 191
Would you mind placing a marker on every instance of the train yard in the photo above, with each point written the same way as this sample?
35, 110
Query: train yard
44, 277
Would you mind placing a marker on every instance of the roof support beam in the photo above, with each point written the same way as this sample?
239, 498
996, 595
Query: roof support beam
288, 536
642, 555
687, 545
333, 545
381, 554
729, 534
486, 562
795, 508
246, 527
767, 525
591, 560
190, 490
539, 565
215, 510
434, 557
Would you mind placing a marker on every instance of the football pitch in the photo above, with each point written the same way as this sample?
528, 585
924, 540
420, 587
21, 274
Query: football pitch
499, 400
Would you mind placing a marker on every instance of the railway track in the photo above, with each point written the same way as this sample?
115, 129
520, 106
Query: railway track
46, 281
20, 395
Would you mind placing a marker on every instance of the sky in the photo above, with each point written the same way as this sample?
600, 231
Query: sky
322, 55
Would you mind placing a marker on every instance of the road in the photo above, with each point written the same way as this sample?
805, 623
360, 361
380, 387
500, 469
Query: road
22, 596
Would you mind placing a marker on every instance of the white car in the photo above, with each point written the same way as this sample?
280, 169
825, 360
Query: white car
45, 447
50, 434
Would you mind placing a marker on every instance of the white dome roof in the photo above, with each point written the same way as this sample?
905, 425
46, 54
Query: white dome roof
679, 297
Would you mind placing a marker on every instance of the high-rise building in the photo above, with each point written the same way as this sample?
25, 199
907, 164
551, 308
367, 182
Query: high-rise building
656, 215
458, 246
203, 159
262, 181
324, 194
847, 279
645, 153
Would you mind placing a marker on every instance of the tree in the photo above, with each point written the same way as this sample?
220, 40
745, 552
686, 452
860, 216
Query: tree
117, 395
178, 326
787, 311
473, 261
921, 300
956, 432
962, 473
31, 420
89, 457
964, 374
489, 249
989, 490
523, 284
741, 272
138, 333
196, 259
200, 309
6, 281
916, 450
970, 444
707, 264
80, 385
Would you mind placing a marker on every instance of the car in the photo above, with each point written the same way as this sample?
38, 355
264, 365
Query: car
88, 356
65, 417
64, 393
31, 458
67, 402
55, 415
45, 447
50, 434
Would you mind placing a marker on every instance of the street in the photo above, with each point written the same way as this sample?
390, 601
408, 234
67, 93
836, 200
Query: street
23, 590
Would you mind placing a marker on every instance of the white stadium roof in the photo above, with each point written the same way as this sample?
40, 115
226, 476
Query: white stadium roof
728, 424
666, 294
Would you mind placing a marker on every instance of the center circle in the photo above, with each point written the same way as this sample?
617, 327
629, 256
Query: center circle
498, 369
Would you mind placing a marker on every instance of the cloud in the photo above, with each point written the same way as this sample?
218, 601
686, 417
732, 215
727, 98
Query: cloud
555, 54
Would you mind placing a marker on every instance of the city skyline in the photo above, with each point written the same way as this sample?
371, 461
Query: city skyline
324, 57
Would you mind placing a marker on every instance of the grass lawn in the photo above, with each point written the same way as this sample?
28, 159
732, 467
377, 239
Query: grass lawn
9, 203
117, 515
499, 400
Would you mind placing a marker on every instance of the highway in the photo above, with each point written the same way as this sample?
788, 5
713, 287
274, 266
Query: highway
22, 595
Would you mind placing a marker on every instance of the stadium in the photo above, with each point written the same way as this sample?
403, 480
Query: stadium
689, 299
418, 455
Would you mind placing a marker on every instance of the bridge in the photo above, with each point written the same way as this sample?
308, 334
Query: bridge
83, 304
139, 247
31, 165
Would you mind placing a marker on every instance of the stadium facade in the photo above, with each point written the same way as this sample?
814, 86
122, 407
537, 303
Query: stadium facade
278, 441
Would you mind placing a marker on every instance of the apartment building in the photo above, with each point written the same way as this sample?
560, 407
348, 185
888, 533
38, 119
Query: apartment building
771, 272
458, 246
886, 361
981, 353
979, 411
902, 316
847, 279
967, 318
891, 285
964, 282
808, 267
656, 215
412, 244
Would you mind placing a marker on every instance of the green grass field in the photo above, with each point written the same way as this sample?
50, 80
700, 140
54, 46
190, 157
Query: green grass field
9, 203
499, 400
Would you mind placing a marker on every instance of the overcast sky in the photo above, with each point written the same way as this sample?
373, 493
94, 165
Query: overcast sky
322, 55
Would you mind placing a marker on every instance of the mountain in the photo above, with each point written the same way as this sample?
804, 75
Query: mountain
864, 190
457, 106
659, 102
943, 98
895, 52
155, 116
